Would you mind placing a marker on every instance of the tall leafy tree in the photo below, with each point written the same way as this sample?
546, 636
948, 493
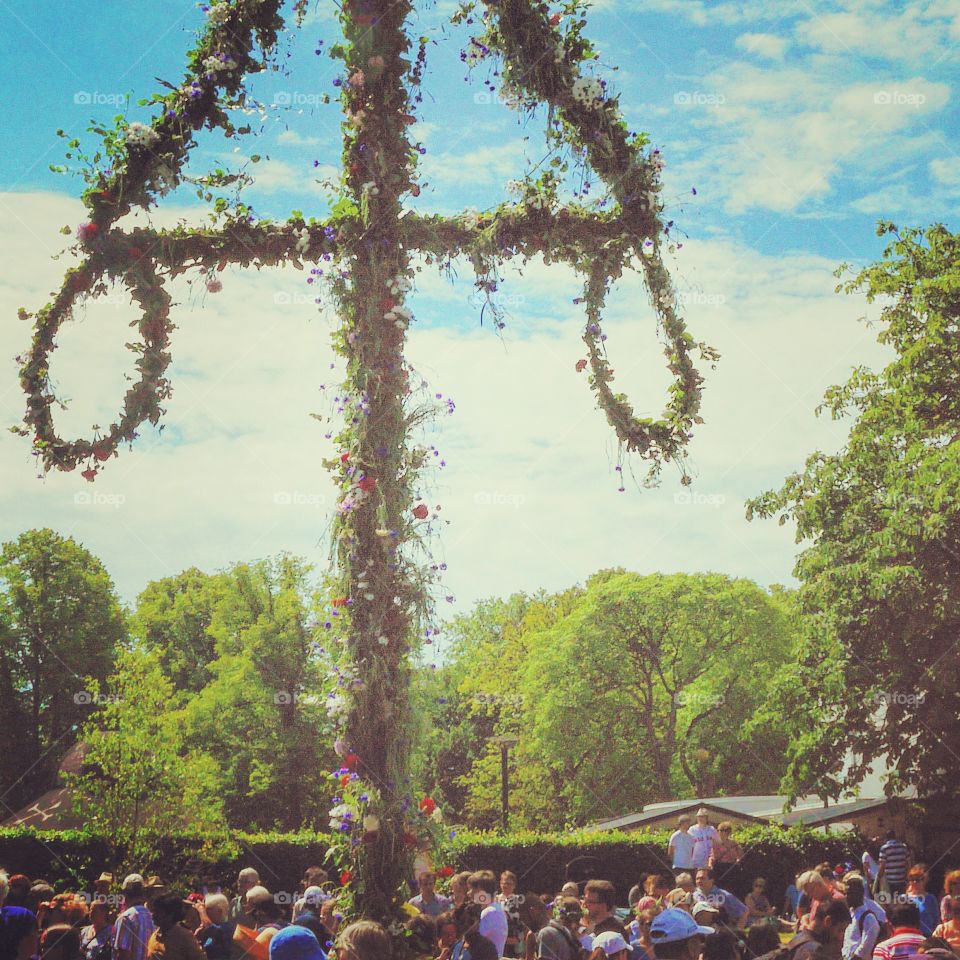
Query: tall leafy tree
60, 622
879, 671
139, 780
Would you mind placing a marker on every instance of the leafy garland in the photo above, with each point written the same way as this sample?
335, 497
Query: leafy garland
381, 594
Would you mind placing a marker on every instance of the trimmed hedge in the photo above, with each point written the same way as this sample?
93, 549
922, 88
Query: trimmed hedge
73, 859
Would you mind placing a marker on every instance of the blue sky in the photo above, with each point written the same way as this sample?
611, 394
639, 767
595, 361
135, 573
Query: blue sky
799, 124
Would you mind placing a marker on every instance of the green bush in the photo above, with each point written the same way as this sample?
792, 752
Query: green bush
542, 862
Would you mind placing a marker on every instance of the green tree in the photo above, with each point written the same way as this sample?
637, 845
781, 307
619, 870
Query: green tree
878, 672
60, 621
173, 617
139, 781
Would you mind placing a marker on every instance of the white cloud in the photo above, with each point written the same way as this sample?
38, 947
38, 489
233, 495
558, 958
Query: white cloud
529, 491
915, 32
946, 170
763, 45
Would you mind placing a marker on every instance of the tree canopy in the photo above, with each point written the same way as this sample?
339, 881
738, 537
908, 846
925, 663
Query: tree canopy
878, 670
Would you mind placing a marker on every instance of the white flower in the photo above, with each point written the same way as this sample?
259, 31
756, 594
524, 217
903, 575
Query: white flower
371, 823
371, 188
140, 135
303, 244
164, 180
515, 186
538, 201
218, 13
587, 90
470, 219
216, 63
437, 815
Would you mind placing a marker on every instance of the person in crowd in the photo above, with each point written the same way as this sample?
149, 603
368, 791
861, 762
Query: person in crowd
493, 920
472, 945
949, 930
247, 879
559, 939
262, 919
706, 837
18, 926
96, 940
677, 936
459, 887
330, 916
726, 851
907, 935
864, 931
895, 859
215, 933
679, 899
40, 892
680, 846
313, 877
570, 889
60, 941
822, 938
363, 940
870, 867
791, 898
295, 943
428, 901
510, 901
534, 916
638, 890
170, 939
610, 946
448, 933
658, 887
951, 892
761, 938
599, 902
815, 888
18, 894
308, 914
759, 907
638, 933
708, 890
927, 903
135, 926
421, 936
723, 945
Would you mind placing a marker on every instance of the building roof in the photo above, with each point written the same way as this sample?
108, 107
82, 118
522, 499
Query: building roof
760, 809
52, 811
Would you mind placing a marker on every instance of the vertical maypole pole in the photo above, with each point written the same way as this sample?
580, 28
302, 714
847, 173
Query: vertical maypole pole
375, 467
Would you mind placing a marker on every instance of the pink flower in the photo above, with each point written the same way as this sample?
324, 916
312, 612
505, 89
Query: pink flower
87, 231
214, 285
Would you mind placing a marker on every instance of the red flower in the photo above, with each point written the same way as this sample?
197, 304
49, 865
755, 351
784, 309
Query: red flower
421, 511
555, 20
581, 366
339, 601
344, 457
344, 780
445, 872
386, 304
368, 484
427, 805
101, 453
350, 761
89, 474
345, 877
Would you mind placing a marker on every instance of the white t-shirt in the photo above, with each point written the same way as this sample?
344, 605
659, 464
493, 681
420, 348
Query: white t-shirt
704, 838
682, 843
493, 926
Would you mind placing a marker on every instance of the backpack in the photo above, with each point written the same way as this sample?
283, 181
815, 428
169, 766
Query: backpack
785, 952
579, 953
886, 930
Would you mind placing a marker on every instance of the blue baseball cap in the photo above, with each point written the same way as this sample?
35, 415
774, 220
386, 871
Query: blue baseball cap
296, 943
675, 924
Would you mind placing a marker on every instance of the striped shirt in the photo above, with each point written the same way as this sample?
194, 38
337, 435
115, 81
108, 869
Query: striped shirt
895, 857
905, 942
133, 929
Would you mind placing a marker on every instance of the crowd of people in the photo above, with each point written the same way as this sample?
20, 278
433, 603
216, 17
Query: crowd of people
879, 910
